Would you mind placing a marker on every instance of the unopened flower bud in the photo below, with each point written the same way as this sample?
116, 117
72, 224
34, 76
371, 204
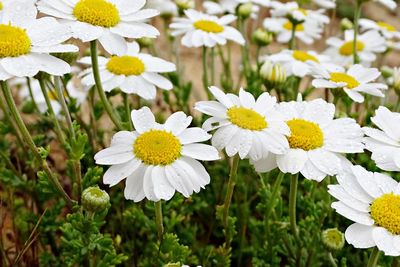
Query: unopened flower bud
184, 4
273, 74
387, 72
69, 57
346, 24
333, 239
245, 10
94, 199
396, 80
145, 42
262, 37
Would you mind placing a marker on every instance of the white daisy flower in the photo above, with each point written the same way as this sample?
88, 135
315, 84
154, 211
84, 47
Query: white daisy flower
306, 32
372, 201
316, 140
296, 62
368, 44
158, 159
133, 72
26, 43
356, 80
248, 127
327, 4
388, 3
384, 143
293, 10
201, 29
165, 7
388, 31
230, 6
108, 21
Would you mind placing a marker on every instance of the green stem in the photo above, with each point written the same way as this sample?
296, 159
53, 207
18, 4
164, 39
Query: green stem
35, 106
293, 37
127, 110
230, 188
50, 109
212, 66
11, 122
29, 141
275, 190
63, 103
159, 220
357, 13
331, 259
292, 206
374, 257
100, 91
205, 73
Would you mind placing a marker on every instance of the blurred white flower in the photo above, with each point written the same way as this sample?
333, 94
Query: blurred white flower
368, 44
307, 32
293, 10
201, 29
388, 31
133, 72
165, 7
107, 21
388, 3
246, 126
371, 200
316, 142
158, 159
296, 62
384, 143
327, 4
356, 80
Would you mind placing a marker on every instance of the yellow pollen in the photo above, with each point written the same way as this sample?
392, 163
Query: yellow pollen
350, 81
126, 65
303, 56
305, 135
14, 41
347, 48
289, 26
208, 26
386, 26
385, 211
157, 147
97, 12
246, 118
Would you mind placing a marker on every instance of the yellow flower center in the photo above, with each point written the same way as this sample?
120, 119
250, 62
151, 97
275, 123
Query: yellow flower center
347, 48
386, 26
208, 26
305, 135
97, 12
1, 6
350, 81
289, 26
157, 147
126, 65
385, 211
14, 41
303, 56
246, 118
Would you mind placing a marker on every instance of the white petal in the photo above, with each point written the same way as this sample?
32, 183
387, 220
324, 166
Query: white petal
325, 161
118, 172
50, 64
200, 152
158, 80
246, 99
266, 164
292, 162
148, 185
134, 185
113, 43
143, 119
193, 135
360, 236
221, 96
212, 108
22, 66
367, 181
135, 30
114, 155
177, 122
384, 241
162, 188
352, 214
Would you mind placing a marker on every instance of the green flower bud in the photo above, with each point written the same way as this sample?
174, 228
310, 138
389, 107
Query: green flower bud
273, 74
396, 80
387, 72
94, 199
333, 239
262, 37
346, 24
245, 10
145, 42
69, 57
184, 4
